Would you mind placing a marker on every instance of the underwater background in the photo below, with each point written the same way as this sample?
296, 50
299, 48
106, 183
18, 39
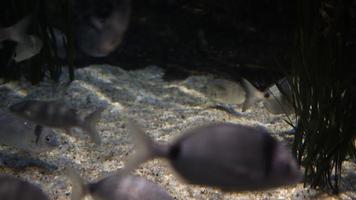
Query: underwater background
175, 65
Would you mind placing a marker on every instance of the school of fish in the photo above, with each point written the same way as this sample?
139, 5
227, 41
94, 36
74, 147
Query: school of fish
230, 157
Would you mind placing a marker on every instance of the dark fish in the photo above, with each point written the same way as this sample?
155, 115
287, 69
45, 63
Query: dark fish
12, 188
25, 135
228, 156
98, 36
115, 187
55, 114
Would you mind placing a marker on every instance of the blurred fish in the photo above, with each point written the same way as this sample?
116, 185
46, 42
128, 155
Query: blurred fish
278, 98
20, 162
25, 135
116, 187
99, 36
228, 156
57, 115
12, 188
27, 45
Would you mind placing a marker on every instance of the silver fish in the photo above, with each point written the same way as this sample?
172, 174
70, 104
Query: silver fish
98, 37
27, 45
228, 156
278, 98
12, 188
225, 91
25, 135
57, 115
128, 187
230, 92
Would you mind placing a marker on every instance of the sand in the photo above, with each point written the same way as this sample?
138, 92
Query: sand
164, 109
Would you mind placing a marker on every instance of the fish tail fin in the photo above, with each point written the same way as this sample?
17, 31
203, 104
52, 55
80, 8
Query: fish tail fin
90, 125
79, 187
16, 32
252, 95
145, 147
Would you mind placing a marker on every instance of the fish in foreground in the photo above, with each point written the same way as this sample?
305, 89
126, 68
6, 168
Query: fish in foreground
19, 162
25, 135
57, 115
27, 45
128, 187
12, 188
228, 156
99, 36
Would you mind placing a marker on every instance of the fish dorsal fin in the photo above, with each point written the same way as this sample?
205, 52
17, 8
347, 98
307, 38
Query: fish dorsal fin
253, 95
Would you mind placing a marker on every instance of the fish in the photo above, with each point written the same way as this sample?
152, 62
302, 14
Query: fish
27, 49
27, 45
278, 98
55, 114
231, 92
21, 162
227, 156
12, 188
117, 186
98, 36
225, 91
26, 135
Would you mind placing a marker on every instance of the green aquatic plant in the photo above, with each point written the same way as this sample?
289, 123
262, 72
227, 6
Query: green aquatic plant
324, 86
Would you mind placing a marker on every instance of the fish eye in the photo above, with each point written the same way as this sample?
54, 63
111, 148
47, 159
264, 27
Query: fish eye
267, 95
48, 138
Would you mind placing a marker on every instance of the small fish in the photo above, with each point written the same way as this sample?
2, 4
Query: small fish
57, 115
12, 188
230, 92
277, 98
27, 45
228, 156
116, 187
99, 36
25, 135
226, 91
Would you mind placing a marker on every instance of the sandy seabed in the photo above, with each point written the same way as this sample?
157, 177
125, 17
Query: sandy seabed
164, 109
